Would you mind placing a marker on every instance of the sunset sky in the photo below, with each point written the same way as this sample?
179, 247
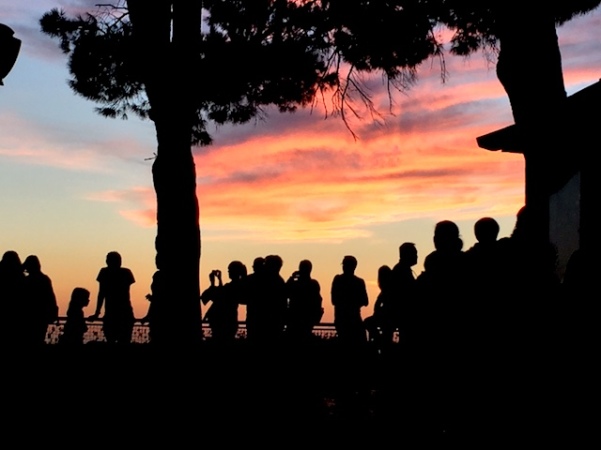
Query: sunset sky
75, 185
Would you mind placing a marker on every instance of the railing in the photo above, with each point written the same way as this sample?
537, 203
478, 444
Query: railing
140, 333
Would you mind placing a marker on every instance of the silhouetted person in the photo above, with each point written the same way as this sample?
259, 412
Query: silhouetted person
400, 397
534, 320
349, 295
271, 303
252, 296
443, 319
222, 315
486, 282
530, 263
75, 327
447, 262
382, 323
486, 231
403, 280
394, 308
530, 284
11, 296
442, 285
484, 256
39, 302
114, 284
304, 303
155, 316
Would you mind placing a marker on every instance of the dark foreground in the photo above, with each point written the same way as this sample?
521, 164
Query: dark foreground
285, 397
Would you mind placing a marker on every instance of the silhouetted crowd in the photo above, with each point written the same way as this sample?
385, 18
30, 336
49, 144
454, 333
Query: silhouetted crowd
27, 298
485, 343
498, 293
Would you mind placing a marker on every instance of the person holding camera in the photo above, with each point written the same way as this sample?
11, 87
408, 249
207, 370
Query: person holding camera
222, 314
304, 303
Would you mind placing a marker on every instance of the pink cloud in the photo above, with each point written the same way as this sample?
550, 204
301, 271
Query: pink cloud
358, 187
300, 177
39, 143
28, 144
143, 218
137, 204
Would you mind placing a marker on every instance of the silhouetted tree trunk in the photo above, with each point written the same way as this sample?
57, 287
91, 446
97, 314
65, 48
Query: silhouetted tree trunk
167, 34
529, 68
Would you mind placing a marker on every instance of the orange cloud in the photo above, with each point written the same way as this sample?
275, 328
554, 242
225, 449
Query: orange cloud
300, 177
141, 202
324, 190
143, 218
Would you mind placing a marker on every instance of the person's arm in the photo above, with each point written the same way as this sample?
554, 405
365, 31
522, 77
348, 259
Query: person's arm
318, 303
334, 291
318, 291
52, 303
210, 292
99, 303
146, 318
100, 299
291, 284
364, 297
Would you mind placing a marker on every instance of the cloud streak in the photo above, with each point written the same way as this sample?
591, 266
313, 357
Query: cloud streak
326, 187
35, 142
303, 177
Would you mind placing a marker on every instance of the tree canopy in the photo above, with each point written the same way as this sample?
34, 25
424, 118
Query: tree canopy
235, 64
475, 23
254, 53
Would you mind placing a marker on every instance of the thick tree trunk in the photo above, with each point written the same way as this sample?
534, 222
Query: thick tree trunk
530, 70
178, 233
167, 34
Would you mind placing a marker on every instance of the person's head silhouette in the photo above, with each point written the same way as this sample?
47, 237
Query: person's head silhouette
11, 261
273, 264
408, 253
521, 230
32, 265
486, 230
384, 277
446, 236
304, 268
258, 264
80, 298
236, 270
349, 264
113, 259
